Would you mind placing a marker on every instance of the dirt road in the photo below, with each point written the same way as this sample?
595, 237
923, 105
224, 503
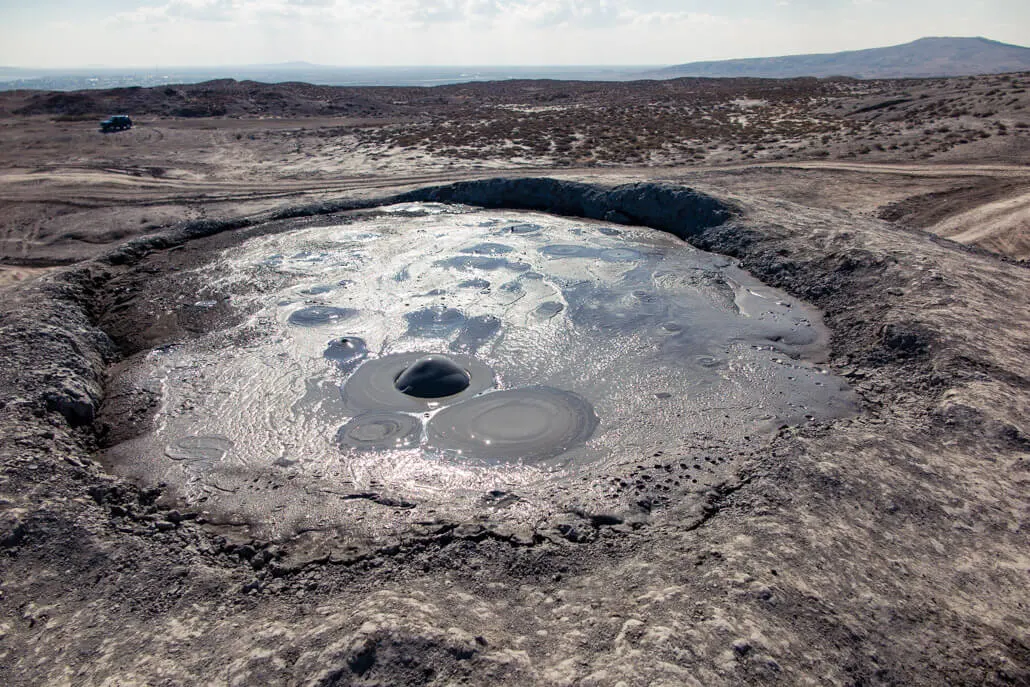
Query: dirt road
63, 213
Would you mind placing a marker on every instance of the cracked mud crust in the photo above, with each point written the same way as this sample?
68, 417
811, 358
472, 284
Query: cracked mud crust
885, 548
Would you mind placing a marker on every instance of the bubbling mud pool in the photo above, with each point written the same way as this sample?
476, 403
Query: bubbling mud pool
423, 356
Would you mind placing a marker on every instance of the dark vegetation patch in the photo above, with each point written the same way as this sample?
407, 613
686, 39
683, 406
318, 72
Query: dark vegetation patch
577, 123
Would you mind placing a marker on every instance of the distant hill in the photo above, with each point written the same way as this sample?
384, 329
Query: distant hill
74, 79
926, 57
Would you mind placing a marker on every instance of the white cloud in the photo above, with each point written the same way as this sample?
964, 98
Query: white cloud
533, 13
228, 11
485, 32
675, 18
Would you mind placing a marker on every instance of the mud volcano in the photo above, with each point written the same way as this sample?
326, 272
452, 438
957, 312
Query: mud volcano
433, 376
438, 353
644, 481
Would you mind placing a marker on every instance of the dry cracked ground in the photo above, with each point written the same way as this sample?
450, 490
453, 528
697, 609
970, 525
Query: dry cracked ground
886, 547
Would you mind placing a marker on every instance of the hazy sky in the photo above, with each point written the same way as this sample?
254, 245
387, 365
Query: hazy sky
68, 33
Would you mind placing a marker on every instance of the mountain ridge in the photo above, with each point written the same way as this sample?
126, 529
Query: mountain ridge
934, 56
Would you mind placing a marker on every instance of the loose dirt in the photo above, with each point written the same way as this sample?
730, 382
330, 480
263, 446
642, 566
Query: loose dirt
882, 547
66, 190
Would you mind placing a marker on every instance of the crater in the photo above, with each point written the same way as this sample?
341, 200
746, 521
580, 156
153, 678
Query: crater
596, 345
386, 383
320, 315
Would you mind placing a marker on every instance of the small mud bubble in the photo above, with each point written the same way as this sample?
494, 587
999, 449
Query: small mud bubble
563, 250
317, 290
488, 249
619, 255
533, 276
474, 284
482, 262
320, 315
609, 231
523, 229
309, 257
529, 425
199, 449
571, 250
380, 431
548, 309
672, 327
434, 322
434, 376
346, 351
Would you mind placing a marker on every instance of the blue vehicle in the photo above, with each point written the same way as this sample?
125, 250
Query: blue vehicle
115, 123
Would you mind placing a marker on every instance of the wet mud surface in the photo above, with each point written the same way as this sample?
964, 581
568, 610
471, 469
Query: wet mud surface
882, 546
436, 354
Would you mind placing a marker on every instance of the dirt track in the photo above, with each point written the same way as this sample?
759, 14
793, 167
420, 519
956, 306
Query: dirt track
931, 197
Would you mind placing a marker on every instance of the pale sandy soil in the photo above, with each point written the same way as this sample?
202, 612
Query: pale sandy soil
884, 548
16, 275
952, 158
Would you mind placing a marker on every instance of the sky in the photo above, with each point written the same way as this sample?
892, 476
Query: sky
155, 33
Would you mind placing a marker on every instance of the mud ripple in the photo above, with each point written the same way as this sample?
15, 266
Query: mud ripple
380, 431
320, 315
515, 425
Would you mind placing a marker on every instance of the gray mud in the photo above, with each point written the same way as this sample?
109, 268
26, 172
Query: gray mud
618, 341
516, 425
881, 548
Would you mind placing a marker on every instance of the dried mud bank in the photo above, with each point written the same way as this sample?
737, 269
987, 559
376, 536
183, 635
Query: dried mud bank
887, 548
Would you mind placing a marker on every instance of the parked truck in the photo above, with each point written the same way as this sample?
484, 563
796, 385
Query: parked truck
115, 123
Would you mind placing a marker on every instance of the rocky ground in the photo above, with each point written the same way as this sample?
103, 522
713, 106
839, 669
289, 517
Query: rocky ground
223, 149
881, 549
885, 548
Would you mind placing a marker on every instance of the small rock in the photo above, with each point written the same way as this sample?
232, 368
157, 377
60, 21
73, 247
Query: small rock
741, 647
575, 534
